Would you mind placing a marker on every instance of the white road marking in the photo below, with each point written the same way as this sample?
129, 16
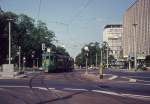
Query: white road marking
14, 86
140, 84
142, 97
135, 96
132, 80
133, 77
51, 88
138, 77
42, 88
105, 92
72, 89
113, 77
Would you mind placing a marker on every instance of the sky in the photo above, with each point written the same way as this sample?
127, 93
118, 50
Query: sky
75, 22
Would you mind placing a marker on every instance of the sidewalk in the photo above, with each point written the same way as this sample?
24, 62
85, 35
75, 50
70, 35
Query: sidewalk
16, 76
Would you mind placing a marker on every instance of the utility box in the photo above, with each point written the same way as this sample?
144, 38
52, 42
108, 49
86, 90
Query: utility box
8, 70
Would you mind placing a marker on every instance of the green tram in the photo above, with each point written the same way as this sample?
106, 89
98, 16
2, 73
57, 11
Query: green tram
52, 62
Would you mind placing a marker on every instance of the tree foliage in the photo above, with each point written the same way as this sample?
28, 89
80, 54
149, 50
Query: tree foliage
24, 33
94, 50
62, 50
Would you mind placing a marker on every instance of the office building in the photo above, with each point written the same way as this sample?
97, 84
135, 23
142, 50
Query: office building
136, 29
113, 36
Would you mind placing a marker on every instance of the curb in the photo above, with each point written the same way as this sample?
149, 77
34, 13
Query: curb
15, 77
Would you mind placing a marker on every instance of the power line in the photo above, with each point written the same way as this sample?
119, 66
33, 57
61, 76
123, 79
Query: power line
39, 10
58, 22
85, 5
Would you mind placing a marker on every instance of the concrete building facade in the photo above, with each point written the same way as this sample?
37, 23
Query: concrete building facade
113, 36
136, 29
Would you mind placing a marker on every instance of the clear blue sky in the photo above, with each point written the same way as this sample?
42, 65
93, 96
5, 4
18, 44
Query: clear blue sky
75, 22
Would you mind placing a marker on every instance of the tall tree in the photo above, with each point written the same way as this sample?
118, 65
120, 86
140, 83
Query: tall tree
24, 33
94, 53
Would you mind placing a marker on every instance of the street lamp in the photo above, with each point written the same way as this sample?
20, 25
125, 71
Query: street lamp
19, 53
86, 50
96, 60
37, 62
33, 63
135, 60
107, 46
9, 23
101, 64
107, 56
24, 60
101, 55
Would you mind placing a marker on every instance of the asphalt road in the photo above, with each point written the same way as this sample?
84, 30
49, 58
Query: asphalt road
71, 88
141, 76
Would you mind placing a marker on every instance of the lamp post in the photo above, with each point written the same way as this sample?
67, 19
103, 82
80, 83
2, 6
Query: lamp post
135, 60
19, 58
33, 63
37, 62
129, 59
86, 50
24, 60
96, 60
107, 53
101, 64
107, 56
9, 23
101, 56
129, 55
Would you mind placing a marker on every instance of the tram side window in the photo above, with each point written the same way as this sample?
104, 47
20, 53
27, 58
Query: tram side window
51, 57
47, 57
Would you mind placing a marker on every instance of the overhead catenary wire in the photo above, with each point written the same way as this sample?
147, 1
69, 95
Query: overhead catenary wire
39, 10
85, 5
77, 15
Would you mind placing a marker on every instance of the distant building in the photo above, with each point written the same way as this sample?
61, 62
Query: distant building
113, 36
139, 14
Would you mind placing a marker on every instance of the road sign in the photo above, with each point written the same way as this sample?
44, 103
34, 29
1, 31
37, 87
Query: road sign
43, 46
141, 56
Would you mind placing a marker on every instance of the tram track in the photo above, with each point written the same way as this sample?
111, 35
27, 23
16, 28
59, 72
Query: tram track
41, 77
14, 96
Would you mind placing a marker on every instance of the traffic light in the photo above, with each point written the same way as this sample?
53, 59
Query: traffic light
33, 54
43, 46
